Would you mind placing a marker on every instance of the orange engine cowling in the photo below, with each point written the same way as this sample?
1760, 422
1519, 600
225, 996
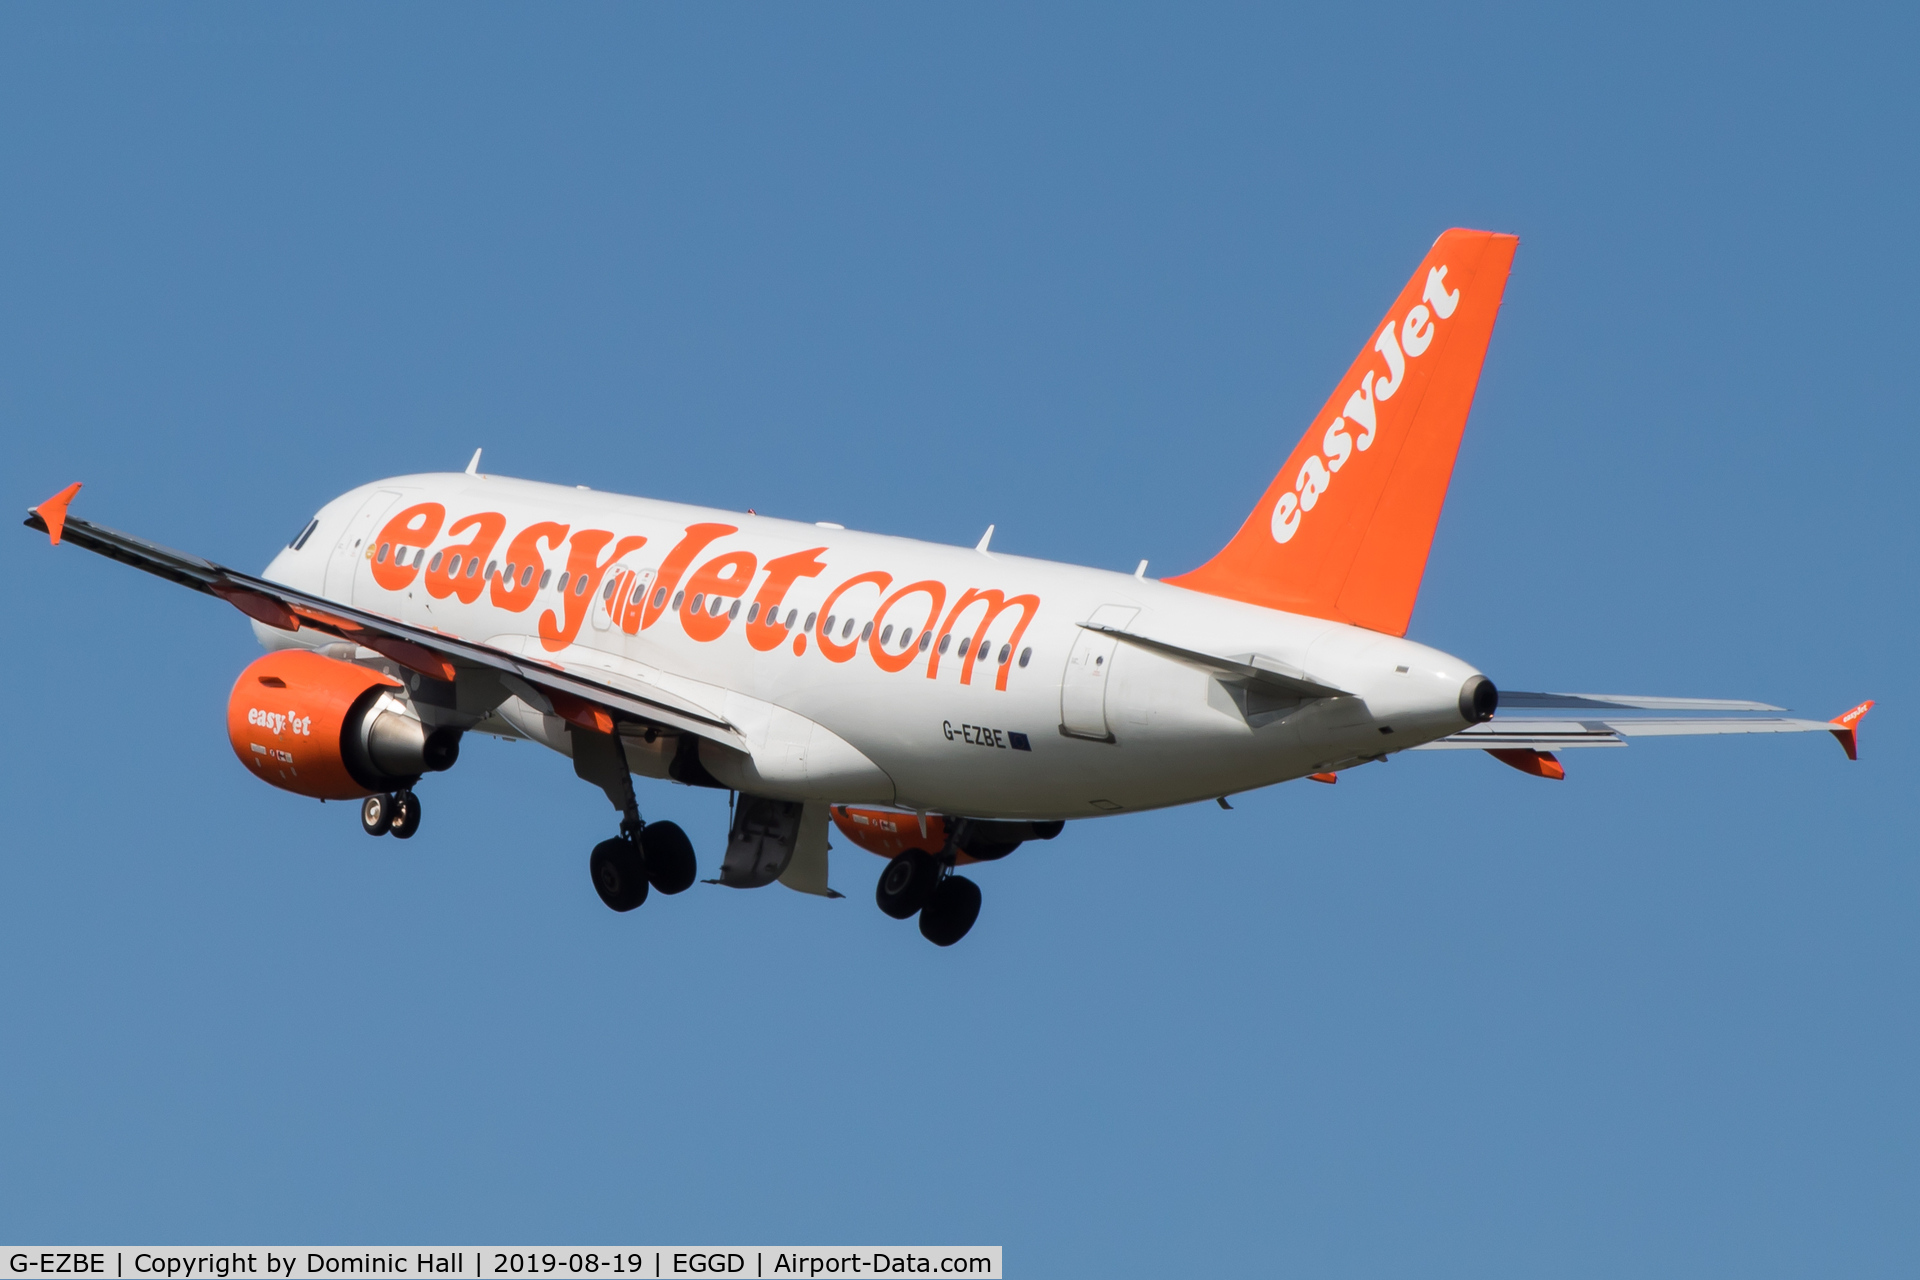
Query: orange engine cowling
891, 832
328, 729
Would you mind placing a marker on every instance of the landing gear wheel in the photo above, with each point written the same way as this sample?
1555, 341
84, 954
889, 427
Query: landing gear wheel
406, 815
907, 883
619, 873
376, 814
671, 866
950, 912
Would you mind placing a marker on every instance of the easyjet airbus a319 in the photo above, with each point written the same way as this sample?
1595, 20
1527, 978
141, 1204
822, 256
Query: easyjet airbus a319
936, 705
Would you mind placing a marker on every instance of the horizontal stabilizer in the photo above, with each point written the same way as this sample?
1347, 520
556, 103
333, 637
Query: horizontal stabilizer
1623, 702
1528, 735
1554, 735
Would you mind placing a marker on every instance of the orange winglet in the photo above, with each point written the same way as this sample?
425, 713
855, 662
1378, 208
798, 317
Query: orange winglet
1328, 778
1541, 764
54, 511
1846, 728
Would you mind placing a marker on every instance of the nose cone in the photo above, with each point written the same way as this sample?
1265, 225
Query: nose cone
1478, 700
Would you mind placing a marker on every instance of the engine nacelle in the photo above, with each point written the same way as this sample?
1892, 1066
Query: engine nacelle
328, 729
890, 832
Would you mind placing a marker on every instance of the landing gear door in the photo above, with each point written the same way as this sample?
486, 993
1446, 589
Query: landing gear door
1083, 689
353, 550
765, 833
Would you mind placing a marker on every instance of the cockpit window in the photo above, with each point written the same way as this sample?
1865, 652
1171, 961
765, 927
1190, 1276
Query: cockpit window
300, 540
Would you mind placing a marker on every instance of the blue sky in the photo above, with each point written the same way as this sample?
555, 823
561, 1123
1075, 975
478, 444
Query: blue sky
1083, 274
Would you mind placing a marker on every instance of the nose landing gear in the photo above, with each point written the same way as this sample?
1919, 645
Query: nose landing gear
394, 813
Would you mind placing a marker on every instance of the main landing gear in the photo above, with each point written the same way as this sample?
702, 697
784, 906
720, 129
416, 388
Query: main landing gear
947, 904
395, 813
644, 855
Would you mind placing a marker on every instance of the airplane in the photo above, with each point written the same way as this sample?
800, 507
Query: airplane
936, 705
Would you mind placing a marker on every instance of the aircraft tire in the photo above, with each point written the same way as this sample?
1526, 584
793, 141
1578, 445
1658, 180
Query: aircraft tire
619, 873
950, 912
907, 883
376, 814
406, 815
671, 865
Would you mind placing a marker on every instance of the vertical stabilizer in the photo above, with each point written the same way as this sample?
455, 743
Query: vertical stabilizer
1343, 530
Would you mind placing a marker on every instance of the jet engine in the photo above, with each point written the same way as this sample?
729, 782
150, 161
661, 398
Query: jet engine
889, 833
318, 727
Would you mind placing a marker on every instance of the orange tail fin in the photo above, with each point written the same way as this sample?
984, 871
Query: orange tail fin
1343, 530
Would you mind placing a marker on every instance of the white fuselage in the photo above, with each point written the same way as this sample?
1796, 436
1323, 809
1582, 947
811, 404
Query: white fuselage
1106, 725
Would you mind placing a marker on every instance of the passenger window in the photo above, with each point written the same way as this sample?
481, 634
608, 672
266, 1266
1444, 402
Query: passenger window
678, 596
753, 612
580, 588
886, 637
381, 556
546, 576
1026, 655
926, 639
434, 565
526, 575
659, 597
564, 579
946, 640
810, 618
606, 596
829, 627
734, 611
1006, 651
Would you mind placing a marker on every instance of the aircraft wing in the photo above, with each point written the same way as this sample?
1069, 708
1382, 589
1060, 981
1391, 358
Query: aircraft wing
576, 694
